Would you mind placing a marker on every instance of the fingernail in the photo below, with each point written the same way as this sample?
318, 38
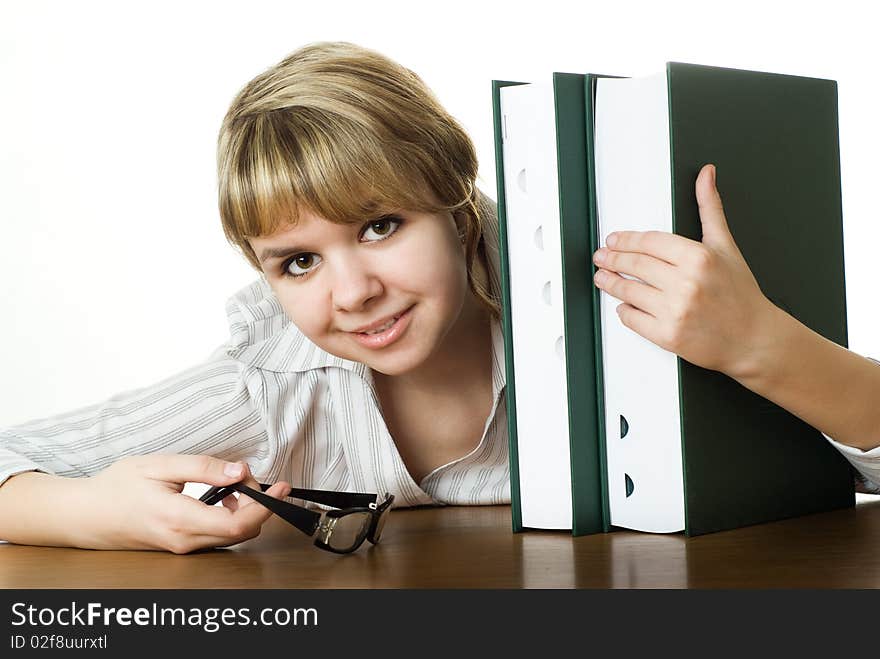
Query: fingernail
599, 256
233, 469
611, 240
713, 175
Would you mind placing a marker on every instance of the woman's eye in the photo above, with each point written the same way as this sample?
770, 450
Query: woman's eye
301, 264
382, 228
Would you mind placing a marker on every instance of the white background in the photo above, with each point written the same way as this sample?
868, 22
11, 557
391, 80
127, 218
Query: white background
113, 267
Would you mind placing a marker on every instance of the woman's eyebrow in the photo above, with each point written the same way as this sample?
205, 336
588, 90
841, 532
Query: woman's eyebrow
278, 252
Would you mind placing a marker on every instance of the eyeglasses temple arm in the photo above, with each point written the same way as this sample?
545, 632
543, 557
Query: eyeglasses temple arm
302, 518
335, 499
215, 494
326, 497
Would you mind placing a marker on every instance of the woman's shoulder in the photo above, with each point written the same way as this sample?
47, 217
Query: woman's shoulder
262, 335
254, 314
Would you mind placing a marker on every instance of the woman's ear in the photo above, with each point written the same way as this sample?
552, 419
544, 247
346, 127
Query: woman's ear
460, 220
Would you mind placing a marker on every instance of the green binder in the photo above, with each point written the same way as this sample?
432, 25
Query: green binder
774, 140
577, 242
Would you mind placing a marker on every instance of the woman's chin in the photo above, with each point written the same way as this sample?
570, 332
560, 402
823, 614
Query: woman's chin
393, 367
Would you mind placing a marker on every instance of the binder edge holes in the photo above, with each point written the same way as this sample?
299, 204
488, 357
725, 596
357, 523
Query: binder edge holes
522, 180
539, 237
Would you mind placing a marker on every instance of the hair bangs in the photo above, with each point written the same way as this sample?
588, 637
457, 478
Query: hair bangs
344, 174
293, 159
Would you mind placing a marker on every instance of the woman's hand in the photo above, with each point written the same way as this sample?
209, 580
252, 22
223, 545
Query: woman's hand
137, 503
696, 299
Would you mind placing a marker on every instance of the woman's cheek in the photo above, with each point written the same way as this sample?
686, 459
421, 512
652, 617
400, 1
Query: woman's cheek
439, 268
305, 313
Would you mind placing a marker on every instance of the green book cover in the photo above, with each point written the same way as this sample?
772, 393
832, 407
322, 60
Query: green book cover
774, 141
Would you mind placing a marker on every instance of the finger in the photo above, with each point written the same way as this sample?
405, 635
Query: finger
712, 218
253, 516
662, 245
636, 293
250, 481
641, 323
230, 503
191, 469
194, 518
191, 543
653, 271
202, 542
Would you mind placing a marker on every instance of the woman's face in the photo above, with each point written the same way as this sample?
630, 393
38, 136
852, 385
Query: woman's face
343, 286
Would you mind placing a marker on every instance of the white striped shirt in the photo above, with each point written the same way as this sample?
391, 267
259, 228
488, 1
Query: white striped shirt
274, 399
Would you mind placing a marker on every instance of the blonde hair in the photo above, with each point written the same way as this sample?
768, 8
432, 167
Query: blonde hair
350, 135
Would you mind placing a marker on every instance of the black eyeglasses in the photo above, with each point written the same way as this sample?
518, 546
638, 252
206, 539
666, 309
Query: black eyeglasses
357, 517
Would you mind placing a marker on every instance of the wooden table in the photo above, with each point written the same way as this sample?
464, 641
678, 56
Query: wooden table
473, 547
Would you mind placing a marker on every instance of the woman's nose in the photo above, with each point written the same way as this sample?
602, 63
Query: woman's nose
355, 284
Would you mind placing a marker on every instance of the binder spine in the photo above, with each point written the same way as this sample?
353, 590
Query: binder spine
515, 502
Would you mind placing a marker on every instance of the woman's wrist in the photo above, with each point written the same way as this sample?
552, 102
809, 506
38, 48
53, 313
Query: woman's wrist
42, 509
764, 346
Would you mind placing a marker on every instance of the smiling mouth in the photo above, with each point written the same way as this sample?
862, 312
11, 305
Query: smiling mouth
383, 327
386, 334
378, 329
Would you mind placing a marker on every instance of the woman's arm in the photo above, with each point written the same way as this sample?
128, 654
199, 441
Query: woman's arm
136, 450
207, 409
41, 509
133, 504
831, 388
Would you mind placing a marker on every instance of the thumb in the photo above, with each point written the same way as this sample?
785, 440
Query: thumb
715, 229
195, 469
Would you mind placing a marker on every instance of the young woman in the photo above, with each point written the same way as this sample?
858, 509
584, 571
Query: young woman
368, 356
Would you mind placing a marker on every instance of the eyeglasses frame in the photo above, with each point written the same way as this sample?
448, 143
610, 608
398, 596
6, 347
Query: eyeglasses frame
308, 521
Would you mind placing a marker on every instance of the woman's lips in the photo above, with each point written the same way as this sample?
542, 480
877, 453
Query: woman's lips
387, 336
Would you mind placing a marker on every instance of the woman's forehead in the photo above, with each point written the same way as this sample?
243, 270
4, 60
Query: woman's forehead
306, 221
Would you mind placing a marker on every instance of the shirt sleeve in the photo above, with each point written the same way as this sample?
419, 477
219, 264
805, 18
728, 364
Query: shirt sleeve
866, 463
208, 409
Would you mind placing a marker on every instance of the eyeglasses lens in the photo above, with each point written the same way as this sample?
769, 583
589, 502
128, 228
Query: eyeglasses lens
349, 531
380, 524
